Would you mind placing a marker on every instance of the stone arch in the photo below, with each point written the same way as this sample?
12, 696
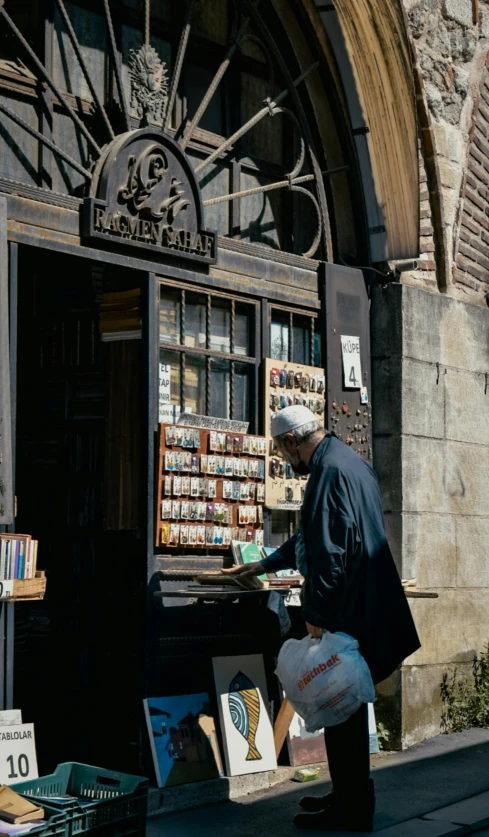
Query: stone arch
369, 44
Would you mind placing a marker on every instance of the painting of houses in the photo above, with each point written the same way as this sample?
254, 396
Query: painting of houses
183, 739
305, 747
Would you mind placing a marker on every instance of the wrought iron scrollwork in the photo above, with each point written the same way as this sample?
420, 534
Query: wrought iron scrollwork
153, 96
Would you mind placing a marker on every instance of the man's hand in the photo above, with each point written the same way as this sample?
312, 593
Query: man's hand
316, 633
253, 568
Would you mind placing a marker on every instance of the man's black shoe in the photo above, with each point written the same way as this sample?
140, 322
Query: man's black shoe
314, 804
336, 817
333, 819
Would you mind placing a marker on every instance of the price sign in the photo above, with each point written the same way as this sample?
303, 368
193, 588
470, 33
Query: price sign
352, 366
165, 408
18, 760
6, 589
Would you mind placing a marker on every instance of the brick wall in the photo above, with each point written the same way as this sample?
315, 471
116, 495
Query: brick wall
472, 259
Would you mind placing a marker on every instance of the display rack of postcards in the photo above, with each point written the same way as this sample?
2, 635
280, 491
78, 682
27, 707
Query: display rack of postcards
211, 488
286, 384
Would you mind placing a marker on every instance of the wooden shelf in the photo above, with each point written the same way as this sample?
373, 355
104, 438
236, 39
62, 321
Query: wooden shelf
27, 589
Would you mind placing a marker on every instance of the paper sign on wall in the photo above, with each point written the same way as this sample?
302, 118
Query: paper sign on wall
352, 366
18, 760
165, 408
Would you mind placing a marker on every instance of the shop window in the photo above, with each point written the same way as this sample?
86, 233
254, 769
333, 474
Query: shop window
195, 321
170, 317
207, 355
283, 524
294, 337
221, 326
27, 16
220, 388
194, 387
91, 34
196, 83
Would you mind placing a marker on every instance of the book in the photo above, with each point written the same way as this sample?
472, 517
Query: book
16, 809
247, 553
221, 579
28, 559
15, 559
21, 561
34, 560
14, 550
8, 549
266, 552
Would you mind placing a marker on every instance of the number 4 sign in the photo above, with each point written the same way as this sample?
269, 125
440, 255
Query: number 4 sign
352, 365
18, 760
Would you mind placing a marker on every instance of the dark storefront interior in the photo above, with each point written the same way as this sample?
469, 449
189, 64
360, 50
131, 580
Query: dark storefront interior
79, 654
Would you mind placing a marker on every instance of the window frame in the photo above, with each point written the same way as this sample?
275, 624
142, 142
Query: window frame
210, 354
313, 316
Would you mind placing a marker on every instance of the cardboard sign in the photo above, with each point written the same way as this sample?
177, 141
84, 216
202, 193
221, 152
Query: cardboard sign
352, 366
211, 423
7, 588
10, 716
18, 760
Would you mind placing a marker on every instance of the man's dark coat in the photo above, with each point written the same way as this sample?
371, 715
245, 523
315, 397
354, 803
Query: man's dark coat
352, 583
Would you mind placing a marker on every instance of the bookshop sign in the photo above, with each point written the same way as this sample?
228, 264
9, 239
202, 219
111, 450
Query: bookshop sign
144, 194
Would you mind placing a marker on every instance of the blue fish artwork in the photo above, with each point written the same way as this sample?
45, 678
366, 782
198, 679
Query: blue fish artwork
244, 706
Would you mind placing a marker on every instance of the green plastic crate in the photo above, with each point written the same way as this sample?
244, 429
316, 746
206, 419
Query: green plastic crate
55, 823
109, 803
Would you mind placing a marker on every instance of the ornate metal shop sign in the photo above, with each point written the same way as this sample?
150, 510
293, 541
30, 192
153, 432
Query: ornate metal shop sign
144, 194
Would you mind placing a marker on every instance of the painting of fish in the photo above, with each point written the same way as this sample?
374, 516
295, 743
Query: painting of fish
244, 705
242, 698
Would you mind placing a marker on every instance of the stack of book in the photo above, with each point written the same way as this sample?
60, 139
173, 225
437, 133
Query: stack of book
120, 311
16, 809
218, 579
18, 557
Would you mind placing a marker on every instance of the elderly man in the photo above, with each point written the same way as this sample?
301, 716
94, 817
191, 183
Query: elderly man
351, 585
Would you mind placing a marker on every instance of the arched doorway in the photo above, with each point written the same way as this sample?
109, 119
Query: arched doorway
256, 104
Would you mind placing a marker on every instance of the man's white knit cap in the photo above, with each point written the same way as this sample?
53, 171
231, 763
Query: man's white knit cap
290, 418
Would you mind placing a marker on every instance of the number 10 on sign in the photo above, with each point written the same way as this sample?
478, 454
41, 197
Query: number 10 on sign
352, 364
18, 759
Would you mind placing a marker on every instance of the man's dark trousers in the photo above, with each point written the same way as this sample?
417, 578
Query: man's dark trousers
347, 746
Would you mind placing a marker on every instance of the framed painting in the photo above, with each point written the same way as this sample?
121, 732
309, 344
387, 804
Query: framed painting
244, 714
305, 747
183, 740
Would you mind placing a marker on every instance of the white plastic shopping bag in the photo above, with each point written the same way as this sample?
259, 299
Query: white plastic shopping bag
326, 680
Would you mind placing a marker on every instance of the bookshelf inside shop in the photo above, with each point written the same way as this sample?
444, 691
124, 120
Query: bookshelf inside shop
20, 579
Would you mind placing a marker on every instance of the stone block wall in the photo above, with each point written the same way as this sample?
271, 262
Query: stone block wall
430, 377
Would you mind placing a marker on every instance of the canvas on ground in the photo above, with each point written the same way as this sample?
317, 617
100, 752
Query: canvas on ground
183, 740
243, 710
305, 747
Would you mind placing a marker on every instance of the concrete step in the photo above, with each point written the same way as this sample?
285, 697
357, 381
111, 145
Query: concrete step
184, 797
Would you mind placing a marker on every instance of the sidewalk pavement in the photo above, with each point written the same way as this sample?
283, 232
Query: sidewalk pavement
437, 788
